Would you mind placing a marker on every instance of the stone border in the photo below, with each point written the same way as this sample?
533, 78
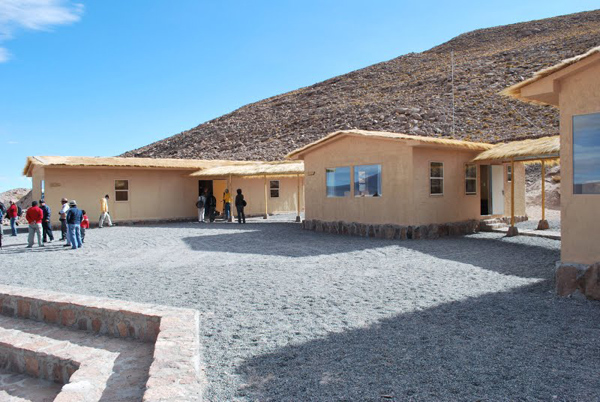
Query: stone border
175, 373
393, 232
518, 219
578, 278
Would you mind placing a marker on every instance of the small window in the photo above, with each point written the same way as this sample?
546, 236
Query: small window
367, 181
436, 178
508, 173
43, 190
338, 182
586, 154
471, 179
274, 186
121, 190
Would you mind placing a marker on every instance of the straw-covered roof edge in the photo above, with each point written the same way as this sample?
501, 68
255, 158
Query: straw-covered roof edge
514, 91
448, 142
539, 148
280, 169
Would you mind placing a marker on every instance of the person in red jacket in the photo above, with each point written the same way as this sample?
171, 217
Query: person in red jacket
34, 217
13, 213
85, 224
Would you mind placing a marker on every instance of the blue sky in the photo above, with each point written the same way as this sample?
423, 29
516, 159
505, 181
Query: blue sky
101, 77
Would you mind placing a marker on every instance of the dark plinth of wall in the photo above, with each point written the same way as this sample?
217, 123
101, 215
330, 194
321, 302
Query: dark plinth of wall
575, 278
389, 231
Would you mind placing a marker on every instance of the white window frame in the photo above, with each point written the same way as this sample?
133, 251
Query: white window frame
278, 189
471, 178
436, 178
509, 174
115, 190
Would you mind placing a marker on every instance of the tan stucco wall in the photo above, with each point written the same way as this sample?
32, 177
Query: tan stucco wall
519, 177
454, 205
580, 226
405, 183
254, 194
154, 194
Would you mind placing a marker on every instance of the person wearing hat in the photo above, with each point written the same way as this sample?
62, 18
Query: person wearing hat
74, 216
63, 219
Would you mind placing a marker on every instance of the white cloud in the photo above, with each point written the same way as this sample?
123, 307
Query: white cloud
12, 142
38, 15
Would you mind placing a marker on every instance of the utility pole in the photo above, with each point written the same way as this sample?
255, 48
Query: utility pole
453, 108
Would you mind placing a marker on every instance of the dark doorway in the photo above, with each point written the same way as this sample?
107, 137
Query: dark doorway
484, 180
205, 184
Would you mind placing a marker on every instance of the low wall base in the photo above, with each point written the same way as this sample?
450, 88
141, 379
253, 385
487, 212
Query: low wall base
576, 278
390, 232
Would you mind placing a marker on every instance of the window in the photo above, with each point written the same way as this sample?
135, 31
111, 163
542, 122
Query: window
121, 190
274, 186
43, 190
586, 154
338, 182
471, 179
436, 178
508, 173
367, 181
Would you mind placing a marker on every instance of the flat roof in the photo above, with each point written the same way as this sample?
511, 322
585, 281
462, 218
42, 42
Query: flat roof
525, 150
442, 142
157, 163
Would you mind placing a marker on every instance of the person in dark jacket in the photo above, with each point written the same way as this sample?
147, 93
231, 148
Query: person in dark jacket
74, 216
46, 227
240, 203
211, 205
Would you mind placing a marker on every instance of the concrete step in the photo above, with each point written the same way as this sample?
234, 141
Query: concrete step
83, 364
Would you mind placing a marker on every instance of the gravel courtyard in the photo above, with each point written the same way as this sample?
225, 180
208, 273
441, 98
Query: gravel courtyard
290, 315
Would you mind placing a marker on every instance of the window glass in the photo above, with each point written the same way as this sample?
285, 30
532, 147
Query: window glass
508, 173
121, 190
274, 187
338, 182
586, 154
367, 181
436, 178
471, 179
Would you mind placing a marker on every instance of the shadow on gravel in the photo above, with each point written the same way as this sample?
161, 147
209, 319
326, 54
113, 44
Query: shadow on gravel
518, 345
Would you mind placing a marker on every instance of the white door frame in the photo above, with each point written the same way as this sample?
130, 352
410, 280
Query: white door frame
497, 189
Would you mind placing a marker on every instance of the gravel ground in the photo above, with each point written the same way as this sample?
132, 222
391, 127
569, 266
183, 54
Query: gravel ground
290, 315
535, 214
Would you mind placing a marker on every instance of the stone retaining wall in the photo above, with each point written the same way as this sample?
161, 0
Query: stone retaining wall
389, 231
175, 372
577, 278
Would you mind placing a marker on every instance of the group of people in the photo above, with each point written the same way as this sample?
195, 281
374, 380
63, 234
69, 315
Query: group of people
73, 221
207, 204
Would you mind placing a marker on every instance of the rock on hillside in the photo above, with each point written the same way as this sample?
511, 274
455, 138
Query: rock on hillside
22, 196
409, 94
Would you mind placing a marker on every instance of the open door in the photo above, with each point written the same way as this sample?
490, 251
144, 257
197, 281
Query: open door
497, 190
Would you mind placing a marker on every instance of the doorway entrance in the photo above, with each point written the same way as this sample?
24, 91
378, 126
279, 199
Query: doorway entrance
491, 189
205, 185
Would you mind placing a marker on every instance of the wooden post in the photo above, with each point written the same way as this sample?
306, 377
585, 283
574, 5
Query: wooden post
229, 184
266, 200
298, 216
543, 190
512, 230
512, 192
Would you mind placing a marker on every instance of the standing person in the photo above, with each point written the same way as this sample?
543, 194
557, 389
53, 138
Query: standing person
104, 216
201, 205
13, 213
46, 227
74, 217
85, 224
240, 203
211, 204
227, 204
34, 217
63, 219
2, 213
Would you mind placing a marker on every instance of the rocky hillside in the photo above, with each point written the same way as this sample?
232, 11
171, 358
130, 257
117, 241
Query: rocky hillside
409, 94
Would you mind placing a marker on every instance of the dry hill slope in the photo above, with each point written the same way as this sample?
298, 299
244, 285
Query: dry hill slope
410, 94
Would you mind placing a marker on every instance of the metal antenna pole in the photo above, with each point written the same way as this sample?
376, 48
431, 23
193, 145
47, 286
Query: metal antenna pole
453, 109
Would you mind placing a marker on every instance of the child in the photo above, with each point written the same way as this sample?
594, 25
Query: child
85, 224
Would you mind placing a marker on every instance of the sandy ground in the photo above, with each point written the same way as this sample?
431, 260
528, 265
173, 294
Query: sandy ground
290, 315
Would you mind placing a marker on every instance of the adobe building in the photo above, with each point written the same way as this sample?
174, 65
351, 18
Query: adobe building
147, 189
573, 86
405, 185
